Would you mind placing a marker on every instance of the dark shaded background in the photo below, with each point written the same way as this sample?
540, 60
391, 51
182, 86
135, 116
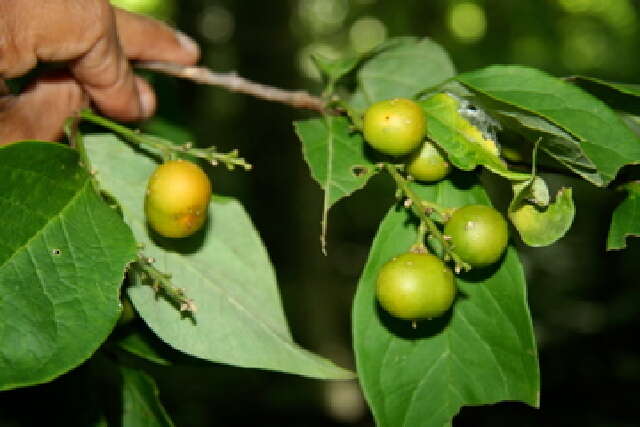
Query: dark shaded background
583, 300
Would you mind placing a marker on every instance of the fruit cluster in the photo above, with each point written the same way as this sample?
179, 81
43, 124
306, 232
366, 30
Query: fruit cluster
418, 285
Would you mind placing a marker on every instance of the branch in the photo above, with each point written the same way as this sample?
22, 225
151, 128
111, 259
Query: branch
235, 83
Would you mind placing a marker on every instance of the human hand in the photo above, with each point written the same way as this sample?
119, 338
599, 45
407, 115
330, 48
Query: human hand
96, 41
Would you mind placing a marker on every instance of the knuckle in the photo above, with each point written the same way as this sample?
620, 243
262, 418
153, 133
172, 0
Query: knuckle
97, 19
17, 55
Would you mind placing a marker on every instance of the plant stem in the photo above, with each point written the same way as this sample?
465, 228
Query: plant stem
354, 115
417, 206
161, 282
167, 149
131, 135
76, 141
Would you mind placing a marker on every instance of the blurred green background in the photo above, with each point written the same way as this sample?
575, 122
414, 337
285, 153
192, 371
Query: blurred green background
584, 301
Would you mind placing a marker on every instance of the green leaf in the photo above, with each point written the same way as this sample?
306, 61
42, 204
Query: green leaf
619, 96
554, 141
336, 158
224, 268
335, 69
167, 130
101, 422
464, 143
537, 222
633, 122
602, 135
626, 218
63, 254
402, 70
143, 344
141, 405
534, 191
482, 352
543, 226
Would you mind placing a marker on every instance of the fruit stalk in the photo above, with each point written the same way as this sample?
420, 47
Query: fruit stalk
417, 205
161, 282
167, 149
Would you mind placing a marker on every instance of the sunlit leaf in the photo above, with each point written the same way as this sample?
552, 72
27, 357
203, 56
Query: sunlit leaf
224, 268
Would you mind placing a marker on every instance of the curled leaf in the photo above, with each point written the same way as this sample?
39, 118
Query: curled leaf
534, 191
466, 145
542, 226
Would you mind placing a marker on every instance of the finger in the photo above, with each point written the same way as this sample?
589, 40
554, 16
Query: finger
148, 39
106, 76
81, 31
40, 111
4, 89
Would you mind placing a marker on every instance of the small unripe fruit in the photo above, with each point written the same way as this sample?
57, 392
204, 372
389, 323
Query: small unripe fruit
415, 286
395, 127
479, 234
178, 196
428, 164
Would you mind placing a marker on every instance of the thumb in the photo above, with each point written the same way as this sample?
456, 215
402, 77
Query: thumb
40, 111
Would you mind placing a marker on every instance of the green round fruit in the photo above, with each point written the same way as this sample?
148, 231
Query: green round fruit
415, 286
178, 196
479, 234
428, 164
395, 126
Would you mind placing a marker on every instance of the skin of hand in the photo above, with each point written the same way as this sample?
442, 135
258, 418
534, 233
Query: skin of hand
95, 41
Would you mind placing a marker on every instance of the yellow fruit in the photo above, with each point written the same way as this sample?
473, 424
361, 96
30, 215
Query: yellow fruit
479, 234
395, 127
428, 164
178, 196
415, 286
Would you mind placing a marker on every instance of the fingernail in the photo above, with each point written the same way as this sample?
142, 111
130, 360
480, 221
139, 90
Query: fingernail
147, 103
188, 43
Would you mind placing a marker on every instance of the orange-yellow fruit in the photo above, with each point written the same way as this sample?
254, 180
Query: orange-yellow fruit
178, 196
